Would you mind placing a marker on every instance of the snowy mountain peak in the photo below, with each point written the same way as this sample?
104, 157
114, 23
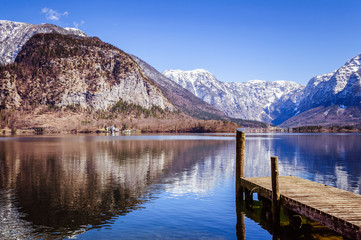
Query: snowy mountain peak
320, 78
194, 71
344, 73
12, 22
13, 36
200, 71
191, 75
256, 81
253, 100
76, 31
193, 80
342, 86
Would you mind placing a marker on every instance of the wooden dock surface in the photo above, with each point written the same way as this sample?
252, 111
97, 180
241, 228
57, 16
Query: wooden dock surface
335, 208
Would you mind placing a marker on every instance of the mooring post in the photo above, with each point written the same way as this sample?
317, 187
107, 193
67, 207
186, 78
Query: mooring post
240, 226
275, 192
240, 145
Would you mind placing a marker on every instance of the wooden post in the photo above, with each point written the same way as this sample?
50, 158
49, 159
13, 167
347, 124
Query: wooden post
275, 192
240, 145
248, 195
240, 226
266, 208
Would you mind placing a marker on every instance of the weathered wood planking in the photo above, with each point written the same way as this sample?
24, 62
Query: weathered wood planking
335, 208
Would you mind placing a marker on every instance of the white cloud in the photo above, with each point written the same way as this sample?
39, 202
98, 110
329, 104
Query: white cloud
77, 25
51, 14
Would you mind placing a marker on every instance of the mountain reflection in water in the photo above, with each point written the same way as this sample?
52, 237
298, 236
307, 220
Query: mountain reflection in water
66, 185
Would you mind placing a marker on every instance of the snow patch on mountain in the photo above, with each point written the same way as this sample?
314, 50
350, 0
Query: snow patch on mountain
76, 31
344, 73
14, 35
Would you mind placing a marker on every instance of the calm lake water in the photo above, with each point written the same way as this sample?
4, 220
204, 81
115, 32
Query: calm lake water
153, 187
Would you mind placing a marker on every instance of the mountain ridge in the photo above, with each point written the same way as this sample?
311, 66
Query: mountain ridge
336, 96
278, 101
335, 87
182, 98
248, 100
124, 77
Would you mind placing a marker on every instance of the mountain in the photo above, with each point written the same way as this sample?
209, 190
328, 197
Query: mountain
49, 66
334, 115
187, 102
331, 99
328, 99
64, 81
59, 71
254, 100
341, 87
13, 36
179, 96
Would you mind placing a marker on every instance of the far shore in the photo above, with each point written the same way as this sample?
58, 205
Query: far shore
51, 131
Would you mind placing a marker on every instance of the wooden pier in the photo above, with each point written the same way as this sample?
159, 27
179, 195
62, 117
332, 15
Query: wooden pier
337, 209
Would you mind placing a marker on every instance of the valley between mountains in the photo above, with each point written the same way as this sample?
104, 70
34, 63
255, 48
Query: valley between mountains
61, 80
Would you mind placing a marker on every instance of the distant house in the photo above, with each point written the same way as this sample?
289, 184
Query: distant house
112, 129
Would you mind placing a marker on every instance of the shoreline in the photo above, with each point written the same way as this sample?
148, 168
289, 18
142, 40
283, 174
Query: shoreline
42, 131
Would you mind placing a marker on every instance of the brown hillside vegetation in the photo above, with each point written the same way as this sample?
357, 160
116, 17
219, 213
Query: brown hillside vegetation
80, 120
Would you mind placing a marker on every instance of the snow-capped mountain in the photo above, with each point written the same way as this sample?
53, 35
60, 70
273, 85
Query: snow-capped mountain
179, 96
13, 36
253, 100
342, 87
332, 98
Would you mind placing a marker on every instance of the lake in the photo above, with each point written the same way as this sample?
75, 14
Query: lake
153, 187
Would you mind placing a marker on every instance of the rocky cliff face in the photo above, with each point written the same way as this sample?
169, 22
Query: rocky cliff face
59, 70
253, 100
14, 35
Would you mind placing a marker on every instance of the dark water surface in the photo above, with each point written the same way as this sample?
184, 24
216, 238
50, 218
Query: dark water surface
152, 187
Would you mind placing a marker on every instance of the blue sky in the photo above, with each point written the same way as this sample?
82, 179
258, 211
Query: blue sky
235, 40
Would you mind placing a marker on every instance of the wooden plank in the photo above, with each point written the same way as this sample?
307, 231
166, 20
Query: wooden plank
335, 208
